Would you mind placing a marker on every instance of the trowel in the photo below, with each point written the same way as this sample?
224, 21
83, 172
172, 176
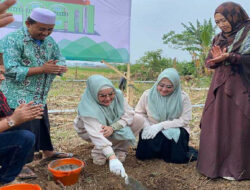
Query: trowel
133, 184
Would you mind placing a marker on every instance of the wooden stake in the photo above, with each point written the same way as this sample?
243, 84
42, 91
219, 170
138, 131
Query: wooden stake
174, 63
76, 73
115, 69
129, 82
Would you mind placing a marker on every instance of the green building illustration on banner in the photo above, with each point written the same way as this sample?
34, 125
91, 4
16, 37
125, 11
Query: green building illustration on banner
77, 30
76, 16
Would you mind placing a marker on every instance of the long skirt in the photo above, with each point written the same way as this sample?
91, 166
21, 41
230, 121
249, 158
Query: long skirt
163, 148
225, 140
41, 130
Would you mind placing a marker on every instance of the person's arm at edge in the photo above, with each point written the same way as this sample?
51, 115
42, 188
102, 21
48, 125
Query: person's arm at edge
93, 127
23, 113
4, 125
140, 108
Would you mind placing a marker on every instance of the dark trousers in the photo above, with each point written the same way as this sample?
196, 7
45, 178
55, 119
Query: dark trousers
163, 148
14, 149
122, 84
41, 130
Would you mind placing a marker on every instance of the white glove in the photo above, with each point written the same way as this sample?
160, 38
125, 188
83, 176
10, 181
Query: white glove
150, 132
116, 167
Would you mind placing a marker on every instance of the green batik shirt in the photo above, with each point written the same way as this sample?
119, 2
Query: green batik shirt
21, 52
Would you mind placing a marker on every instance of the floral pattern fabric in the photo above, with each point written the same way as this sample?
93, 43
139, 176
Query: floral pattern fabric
21, 52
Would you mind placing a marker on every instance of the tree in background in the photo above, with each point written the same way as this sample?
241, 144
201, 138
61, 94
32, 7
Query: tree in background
149, 66
194, 39
154, 63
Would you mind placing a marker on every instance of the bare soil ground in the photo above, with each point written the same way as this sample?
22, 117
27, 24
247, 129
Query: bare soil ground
153, 174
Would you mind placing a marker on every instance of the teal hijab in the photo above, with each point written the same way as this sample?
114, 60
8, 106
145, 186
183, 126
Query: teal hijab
107, 115
89, 105
169, 107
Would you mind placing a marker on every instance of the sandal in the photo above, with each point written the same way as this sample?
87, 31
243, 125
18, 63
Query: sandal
27, 173
58, 155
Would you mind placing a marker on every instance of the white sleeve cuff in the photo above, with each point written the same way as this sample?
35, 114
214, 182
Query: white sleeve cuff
122, 122
108, 151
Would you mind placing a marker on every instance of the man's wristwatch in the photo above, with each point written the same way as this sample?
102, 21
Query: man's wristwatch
10, 122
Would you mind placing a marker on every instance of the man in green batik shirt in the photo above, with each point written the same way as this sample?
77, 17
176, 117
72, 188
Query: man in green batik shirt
32, 60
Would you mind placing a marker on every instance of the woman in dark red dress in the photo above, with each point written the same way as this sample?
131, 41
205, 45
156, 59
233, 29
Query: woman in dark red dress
225, 124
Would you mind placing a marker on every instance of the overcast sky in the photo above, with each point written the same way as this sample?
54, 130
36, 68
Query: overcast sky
150, 19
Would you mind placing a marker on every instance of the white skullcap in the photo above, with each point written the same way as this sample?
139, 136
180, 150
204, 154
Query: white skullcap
44, 16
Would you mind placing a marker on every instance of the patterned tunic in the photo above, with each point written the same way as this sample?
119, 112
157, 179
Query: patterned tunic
21, 52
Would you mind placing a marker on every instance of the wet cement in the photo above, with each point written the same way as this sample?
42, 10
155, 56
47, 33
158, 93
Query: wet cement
67, 167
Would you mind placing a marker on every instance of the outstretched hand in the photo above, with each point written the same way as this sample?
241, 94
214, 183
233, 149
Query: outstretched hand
218, 55
6, 18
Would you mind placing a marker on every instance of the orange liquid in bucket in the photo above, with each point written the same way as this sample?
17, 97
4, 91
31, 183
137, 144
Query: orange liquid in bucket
21, 186
66, 176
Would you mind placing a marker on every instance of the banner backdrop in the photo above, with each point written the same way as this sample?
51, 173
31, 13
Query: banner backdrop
89, 30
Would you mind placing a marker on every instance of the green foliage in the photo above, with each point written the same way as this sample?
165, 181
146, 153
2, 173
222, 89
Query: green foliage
122, 67
186, 68
154, 60
194, 39
152, 63
139, 71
